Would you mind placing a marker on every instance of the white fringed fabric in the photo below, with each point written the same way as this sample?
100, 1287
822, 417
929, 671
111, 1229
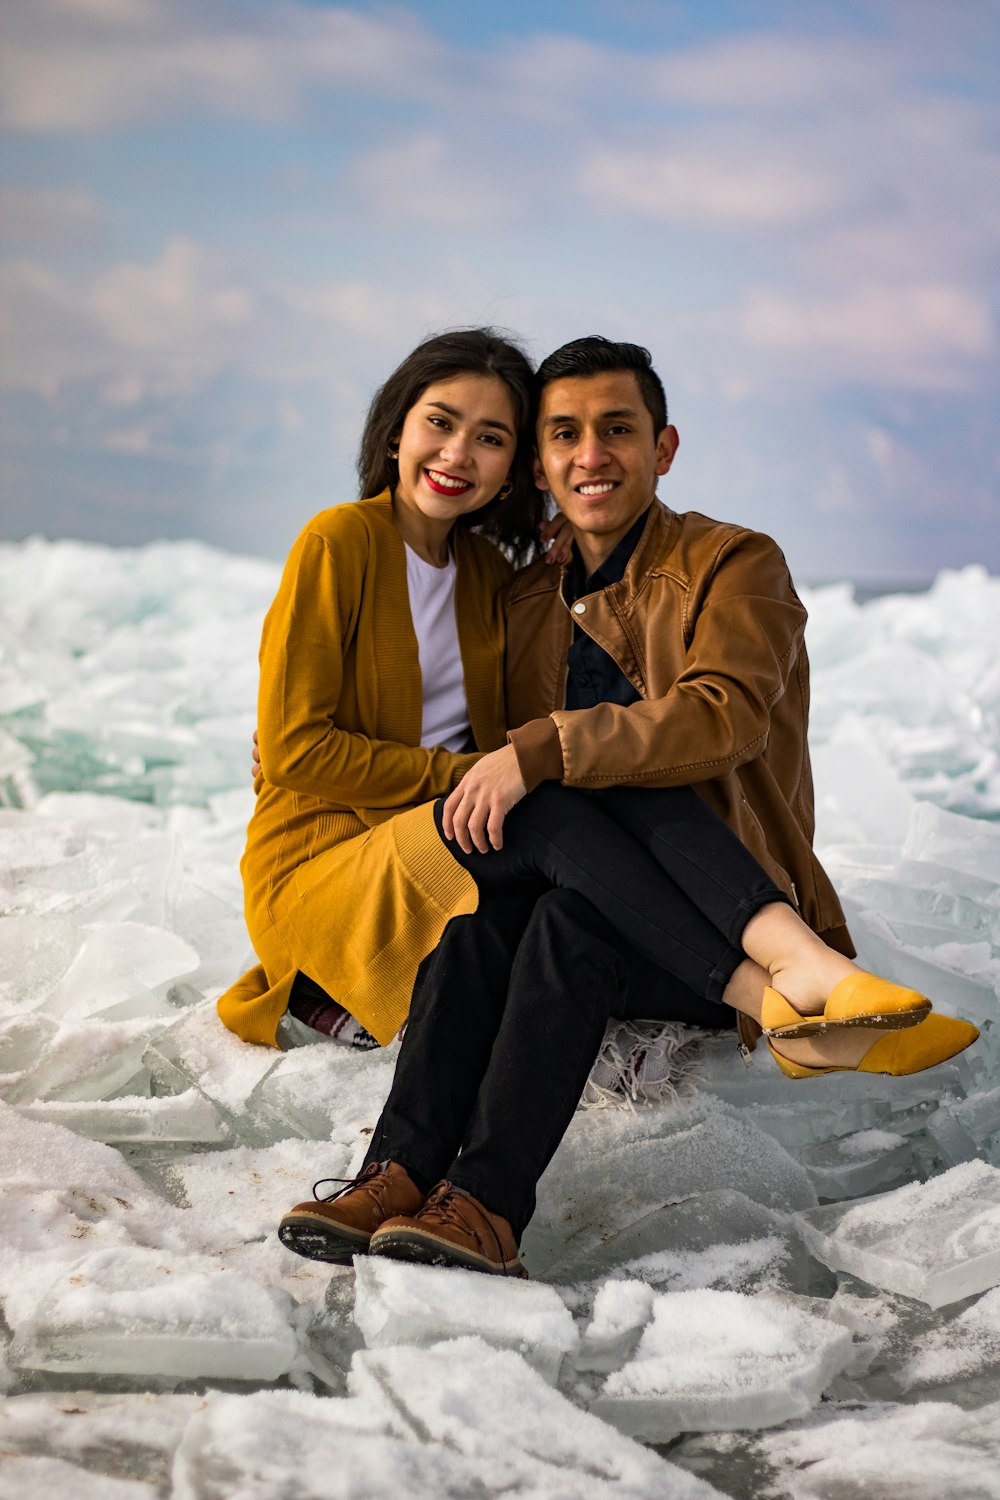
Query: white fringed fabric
644, 1062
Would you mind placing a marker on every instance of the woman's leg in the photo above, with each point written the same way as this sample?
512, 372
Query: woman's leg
564, 837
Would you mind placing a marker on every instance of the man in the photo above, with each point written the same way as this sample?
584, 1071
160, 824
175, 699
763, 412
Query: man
668, 654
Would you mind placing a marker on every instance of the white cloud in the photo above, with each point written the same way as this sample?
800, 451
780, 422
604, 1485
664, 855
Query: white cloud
94, 65
183, 298
159, 329
424, 179
731, 188
50, 218
923, 336
772, 73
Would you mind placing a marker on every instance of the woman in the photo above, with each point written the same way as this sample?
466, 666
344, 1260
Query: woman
381, 679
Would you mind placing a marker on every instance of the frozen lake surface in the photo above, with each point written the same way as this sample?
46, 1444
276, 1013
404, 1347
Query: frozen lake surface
756, 1288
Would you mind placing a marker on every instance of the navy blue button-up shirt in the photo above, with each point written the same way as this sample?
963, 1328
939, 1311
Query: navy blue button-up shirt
595, 677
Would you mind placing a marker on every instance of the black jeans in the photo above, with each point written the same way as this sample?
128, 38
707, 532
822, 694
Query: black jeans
508, 1015
671, 878
509, 1011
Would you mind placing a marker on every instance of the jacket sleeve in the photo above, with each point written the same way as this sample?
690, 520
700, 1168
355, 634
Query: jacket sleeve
302, 749
745, 629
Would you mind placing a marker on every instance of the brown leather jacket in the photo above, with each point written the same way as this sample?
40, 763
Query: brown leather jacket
708, 628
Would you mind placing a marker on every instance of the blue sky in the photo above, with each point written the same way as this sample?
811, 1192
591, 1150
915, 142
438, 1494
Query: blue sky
226, 220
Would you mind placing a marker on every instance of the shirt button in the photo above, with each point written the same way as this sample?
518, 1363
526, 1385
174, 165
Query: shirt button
580, 609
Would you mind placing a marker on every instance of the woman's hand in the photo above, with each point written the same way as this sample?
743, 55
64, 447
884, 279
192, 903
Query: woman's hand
255, 758
557, 535
475, 811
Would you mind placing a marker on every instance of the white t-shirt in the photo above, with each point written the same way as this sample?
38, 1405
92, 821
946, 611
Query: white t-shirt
432, 605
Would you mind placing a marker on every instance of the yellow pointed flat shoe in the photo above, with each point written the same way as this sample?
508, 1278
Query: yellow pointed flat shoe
858, 1000
935, 1040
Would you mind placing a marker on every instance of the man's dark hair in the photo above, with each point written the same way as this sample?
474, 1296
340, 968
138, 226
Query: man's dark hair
512, 522
595, 355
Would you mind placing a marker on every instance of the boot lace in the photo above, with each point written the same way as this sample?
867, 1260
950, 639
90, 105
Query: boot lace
446, 1205
372, 1170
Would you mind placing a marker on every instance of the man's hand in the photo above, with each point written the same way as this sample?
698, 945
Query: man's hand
255, 758
474, 813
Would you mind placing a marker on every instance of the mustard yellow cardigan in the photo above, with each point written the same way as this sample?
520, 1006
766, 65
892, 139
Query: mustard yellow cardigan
344, 874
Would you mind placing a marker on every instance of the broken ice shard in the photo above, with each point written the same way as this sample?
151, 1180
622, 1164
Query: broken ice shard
178, 1119
519, 1436
859, 1163
613, 1168
198, 1052
718, 1360
720, 1239
621, 1311
937, 1241
397, 1303
966, 1347
157, 1315
961, 1129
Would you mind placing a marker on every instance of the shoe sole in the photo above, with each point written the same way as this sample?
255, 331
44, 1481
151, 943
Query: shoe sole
896, 1020
428, 1250
317, 1239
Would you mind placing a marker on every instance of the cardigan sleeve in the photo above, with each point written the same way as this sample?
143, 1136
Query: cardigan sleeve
302, 748
745, 632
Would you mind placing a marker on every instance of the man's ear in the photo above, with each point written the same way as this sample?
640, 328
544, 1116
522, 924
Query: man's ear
666, 447
536, 468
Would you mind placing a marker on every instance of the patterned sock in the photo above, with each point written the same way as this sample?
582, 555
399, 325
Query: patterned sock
310, 1004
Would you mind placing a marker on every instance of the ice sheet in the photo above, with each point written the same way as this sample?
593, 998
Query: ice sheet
613, 1168
896, 1453
621, 1311
488, 1406
938, 1241
457, 1420
720, 1239
198, 1052
100, 1435
858, 1164
181, 1119
396, 1303
721, 1360
138, 1312
325, 1092
967, 1345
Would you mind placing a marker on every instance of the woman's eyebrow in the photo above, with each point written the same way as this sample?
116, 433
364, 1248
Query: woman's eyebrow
450, 411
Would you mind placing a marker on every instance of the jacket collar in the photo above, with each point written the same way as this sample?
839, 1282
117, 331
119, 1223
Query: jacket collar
647, 557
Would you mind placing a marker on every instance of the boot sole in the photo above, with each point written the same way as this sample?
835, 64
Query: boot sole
317, 1239
428, 1250
897, 1020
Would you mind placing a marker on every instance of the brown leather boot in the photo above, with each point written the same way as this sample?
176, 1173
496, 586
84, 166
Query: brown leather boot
341, 1226
452, 1229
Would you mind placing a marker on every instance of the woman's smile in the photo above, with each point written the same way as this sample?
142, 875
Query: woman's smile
446, 484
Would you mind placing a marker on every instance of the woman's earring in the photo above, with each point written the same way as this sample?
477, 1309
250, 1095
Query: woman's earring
505, 489
392, 453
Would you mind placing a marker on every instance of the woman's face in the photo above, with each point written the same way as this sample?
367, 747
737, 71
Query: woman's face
456, 447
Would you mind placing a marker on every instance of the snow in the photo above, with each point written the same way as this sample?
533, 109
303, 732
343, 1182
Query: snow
696, 1264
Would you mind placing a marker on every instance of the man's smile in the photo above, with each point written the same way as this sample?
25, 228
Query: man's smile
596, 487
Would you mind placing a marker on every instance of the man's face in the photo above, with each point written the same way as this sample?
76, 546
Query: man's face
597, 453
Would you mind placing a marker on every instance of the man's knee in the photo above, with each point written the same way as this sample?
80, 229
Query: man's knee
570, 936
